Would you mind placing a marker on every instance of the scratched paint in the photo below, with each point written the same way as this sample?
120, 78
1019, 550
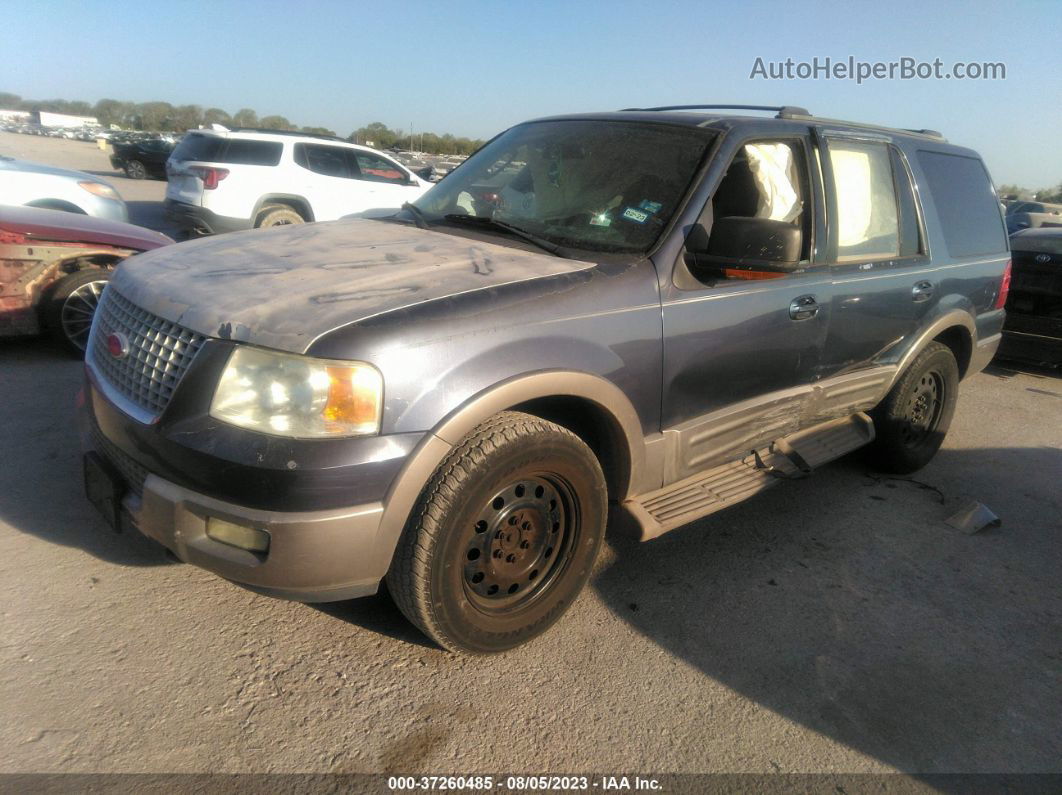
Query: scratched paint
284, 287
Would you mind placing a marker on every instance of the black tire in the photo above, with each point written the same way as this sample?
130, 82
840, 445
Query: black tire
503, 538
278, 215
912, 420
134, 169
70, 306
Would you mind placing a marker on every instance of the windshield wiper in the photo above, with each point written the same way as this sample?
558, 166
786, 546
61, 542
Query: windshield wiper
418, 215
494, 223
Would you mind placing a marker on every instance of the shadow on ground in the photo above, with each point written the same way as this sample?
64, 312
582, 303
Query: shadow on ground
41, 480
845, 604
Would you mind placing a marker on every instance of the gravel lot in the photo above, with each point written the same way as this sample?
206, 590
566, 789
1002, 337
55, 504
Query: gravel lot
833, 624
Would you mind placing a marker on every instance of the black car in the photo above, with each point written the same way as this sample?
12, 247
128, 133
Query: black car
1033, 328
142, 159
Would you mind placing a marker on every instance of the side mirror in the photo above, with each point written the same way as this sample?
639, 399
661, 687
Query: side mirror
427, 173
749, 243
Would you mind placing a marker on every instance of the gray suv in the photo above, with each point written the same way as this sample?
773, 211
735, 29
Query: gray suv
642, 317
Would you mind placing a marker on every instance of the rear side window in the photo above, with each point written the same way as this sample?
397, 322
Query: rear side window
252, 153
965, 202
215, 149
378, 169
868, 226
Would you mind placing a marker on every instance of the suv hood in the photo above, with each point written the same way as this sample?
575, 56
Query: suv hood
284, 287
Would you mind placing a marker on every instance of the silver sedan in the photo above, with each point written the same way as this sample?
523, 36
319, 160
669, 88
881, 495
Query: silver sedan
37, 185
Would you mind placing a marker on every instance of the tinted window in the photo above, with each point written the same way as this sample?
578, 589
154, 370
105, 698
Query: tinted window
252, 153
378, 169
867, 222
330, 161
965, 202
198, 147
215, 149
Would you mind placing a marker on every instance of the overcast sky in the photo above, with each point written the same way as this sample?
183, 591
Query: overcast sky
473, 68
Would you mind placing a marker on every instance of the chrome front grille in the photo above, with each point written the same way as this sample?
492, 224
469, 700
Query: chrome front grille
159, 353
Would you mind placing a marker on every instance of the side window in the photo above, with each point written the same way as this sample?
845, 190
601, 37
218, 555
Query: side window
252, 153
868, 226
378, 169
329, 161
757, 224
965, 203
910, 230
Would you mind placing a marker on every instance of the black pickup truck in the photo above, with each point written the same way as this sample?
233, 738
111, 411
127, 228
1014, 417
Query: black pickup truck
644, 316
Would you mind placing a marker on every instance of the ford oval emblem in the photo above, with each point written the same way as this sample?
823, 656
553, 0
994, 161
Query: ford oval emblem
117, 345
1042, 258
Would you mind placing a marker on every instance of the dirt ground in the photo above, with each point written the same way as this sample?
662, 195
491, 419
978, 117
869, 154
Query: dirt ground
834, 624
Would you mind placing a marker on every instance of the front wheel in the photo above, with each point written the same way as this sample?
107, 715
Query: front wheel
504, 536
71, 305
912, 420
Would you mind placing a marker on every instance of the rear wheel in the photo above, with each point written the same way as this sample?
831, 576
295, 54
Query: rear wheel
134, 169
503, 538
71, 305
278, 215
912, 420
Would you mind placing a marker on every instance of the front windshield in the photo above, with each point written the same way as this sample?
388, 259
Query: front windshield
605, 186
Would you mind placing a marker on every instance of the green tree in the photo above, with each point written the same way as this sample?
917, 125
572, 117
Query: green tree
318, 131
275, 123
381, 136
187, 117
154, 116
10, 101
216, 116
245, 117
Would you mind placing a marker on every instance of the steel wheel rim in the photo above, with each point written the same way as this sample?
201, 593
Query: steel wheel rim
78, 310
924, 407
136, 170
520, 543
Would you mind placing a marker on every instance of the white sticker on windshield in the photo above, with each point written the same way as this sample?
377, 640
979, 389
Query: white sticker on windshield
635, 215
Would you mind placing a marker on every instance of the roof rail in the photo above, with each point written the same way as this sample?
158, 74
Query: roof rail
927, 133
288, 132
783, 111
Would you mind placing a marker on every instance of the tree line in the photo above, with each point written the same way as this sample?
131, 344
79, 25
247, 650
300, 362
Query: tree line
164, 117
1048, 195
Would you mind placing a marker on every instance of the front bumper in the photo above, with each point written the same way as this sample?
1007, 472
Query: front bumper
323, 511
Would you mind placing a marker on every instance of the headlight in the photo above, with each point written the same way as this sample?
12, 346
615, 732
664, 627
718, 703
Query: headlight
98, 188
298, 396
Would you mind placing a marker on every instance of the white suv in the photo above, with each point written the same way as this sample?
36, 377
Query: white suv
224, 180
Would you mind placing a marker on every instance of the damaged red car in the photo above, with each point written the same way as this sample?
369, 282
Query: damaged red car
54, 265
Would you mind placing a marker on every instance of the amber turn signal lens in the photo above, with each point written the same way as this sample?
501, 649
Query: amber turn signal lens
353, 397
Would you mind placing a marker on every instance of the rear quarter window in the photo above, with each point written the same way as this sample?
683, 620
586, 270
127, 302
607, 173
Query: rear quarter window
966, 205
252, 153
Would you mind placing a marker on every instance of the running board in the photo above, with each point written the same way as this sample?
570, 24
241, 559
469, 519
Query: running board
790, 457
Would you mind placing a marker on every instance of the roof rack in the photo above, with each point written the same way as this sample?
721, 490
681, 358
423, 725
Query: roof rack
793, 112
288, 132
783, 111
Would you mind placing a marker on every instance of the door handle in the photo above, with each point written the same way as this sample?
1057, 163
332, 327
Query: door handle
922, 291
803, 307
